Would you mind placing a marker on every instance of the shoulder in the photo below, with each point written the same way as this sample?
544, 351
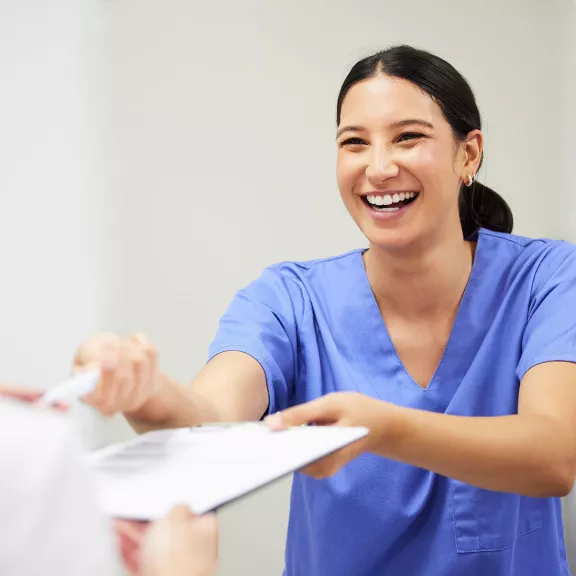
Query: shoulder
291, 284
541, 261
542, 253
317, 270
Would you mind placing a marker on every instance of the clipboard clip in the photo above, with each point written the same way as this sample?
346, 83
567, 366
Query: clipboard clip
207, 426
219, 426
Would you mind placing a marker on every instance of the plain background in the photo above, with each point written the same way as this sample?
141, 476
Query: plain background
156, 155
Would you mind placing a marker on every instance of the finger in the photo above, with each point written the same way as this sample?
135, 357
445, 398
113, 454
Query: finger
151, 362
132, 529
142, 372
206, 523
130, 555
90, 351
180, 513
329, 465
321, 411
129, 536
128, 375
20, 392
103, 396
315, 470
204, 531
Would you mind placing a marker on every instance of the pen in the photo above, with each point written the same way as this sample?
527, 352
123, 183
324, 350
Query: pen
73, 388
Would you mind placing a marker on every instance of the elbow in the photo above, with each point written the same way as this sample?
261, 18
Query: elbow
565, 484
560, 480
560, 490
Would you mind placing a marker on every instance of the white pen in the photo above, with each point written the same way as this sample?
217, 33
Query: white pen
73, 388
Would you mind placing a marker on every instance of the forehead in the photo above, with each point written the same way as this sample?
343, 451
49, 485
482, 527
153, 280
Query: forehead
383, 99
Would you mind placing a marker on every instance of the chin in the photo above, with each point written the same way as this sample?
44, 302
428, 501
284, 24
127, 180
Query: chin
393, 238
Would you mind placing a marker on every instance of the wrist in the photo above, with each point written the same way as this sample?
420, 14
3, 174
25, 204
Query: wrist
155, 409
390, 428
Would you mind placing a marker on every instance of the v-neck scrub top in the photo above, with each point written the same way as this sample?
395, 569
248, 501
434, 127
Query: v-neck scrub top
315, 328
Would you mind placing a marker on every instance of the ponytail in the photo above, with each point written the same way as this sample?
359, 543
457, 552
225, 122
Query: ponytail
481, 207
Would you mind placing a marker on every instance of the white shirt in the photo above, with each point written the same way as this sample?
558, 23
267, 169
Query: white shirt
50, 522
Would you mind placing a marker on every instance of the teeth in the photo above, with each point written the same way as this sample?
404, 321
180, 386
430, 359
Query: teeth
377, 200
388, 199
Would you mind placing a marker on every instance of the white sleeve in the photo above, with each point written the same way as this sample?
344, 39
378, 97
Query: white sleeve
50, 522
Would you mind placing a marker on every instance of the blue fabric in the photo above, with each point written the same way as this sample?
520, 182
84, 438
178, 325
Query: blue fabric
315, 328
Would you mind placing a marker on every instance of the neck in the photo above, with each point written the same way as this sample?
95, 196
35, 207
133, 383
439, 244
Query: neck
421, 281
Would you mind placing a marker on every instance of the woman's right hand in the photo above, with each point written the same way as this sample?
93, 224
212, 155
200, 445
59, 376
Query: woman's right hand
128, 368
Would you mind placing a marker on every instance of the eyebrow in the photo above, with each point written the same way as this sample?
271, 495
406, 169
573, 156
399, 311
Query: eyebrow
399, 124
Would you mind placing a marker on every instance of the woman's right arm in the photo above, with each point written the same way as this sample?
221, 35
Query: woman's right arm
253, 367
231, 387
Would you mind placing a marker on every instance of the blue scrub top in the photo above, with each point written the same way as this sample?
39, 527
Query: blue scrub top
315, 328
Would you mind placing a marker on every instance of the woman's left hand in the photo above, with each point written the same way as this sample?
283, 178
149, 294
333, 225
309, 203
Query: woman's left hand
339, 409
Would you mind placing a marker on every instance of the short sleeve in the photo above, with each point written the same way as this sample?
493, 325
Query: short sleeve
550, 334
262, 321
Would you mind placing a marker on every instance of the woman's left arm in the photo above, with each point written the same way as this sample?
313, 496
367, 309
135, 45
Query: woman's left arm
531, 453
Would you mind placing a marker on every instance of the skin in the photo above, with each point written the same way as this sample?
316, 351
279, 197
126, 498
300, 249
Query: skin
418, 266
181, 544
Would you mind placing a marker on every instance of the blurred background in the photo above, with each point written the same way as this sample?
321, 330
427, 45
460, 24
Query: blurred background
156, 155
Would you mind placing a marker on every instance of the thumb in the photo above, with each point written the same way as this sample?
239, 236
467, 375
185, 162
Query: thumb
179, 514
321, 411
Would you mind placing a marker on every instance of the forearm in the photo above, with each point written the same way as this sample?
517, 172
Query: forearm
175, 406
523, 454
232, 387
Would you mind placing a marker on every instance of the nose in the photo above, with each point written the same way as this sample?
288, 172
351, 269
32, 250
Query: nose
381, 167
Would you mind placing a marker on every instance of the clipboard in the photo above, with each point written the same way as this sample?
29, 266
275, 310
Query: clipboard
205, 467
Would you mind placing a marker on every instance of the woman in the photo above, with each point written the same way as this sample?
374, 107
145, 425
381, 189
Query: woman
448, 337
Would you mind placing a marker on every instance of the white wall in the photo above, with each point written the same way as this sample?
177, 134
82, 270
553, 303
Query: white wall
48, 223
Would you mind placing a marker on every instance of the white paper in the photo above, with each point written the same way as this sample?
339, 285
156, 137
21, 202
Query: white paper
205, 467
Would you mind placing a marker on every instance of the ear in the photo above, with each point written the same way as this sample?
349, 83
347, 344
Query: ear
472, 153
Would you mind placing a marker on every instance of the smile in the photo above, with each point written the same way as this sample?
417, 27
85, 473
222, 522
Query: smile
389, 202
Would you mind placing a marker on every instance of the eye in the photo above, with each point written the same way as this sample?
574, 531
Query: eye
408, 136
352, 142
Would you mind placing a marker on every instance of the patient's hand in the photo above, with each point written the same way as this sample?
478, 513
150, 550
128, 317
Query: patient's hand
180, 544
29, 395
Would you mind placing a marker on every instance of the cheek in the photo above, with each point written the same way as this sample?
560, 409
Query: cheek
434, 168
349, 171
423, 161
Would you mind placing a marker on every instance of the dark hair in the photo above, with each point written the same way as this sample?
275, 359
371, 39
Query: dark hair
480, 206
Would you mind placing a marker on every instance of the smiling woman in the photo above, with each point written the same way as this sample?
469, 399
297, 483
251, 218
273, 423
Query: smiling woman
388, 131
447, 337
